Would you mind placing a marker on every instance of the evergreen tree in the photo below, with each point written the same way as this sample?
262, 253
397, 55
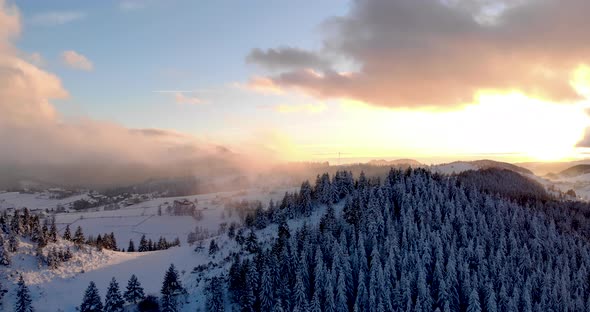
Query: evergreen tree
143, 244
13, 242
3, 291
113, 301
131, 247
67, 234
299, 293
474, 304
112, 245
149, 304
341, 298
171, 290
251, 244
91, 301
53, 235
213, 248
490, 300
267, 291
214, 294
248, 298
4, 254
134, 292
23, 302
78, 237
330, 304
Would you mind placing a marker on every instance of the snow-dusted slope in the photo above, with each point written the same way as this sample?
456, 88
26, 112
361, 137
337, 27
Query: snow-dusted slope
461, 166
62, 289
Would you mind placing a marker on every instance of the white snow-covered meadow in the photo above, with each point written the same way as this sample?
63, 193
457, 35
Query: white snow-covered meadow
62, 289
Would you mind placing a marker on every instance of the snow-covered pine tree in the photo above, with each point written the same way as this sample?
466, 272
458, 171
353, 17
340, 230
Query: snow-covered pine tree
214, 294
299, 292
213, 247
112, 242
248, 299
330, 303
78, 237
16, 225
131, 247
143, 244
3, 291
113, 301
134, 292
251, 243
171, 290
305, 197
23, 302
490, 298
267, 292
474, 304
13, 242
67, 234
4, 254
91, 301
341, 298
53, 235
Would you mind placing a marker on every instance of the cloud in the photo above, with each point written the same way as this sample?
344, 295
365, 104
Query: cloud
39, 144
9, 24
309, 108
129, 5
286, 58
36, 58
54, 18
432, 53
261, 85
183, 99
585, 141
76, 60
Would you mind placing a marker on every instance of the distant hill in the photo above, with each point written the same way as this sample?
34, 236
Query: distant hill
575, 171
553, 168
505, 182
462, 166
395, 163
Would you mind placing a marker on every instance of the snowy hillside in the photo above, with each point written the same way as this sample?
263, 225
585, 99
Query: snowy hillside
343, 243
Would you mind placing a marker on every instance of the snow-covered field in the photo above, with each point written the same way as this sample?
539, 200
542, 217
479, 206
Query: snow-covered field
62, 289
34, 201
133, 221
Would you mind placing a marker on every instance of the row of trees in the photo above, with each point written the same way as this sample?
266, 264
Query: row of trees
149, 245
170, 300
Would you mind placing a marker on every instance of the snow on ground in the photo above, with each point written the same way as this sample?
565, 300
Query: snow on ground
62, 289
454, 167
580, 184
133, 221
33, 201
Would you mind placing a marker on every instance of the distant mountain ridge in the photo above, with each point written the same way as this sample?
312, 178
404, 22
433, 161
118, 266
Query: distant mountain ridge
575, 171
396, 162
462, 166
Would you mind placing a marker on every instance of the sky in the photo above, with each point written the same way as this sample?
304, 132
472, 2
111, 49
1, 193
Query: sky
159, 83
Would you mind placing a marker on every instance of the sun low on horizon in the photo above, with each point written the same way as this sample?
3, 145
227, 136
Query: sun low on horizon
178, 82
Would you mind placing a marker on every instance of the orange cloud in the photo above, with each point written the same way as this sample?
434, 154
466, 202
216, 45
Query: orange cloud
183, 99
261, 85
76, 60
417, 54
